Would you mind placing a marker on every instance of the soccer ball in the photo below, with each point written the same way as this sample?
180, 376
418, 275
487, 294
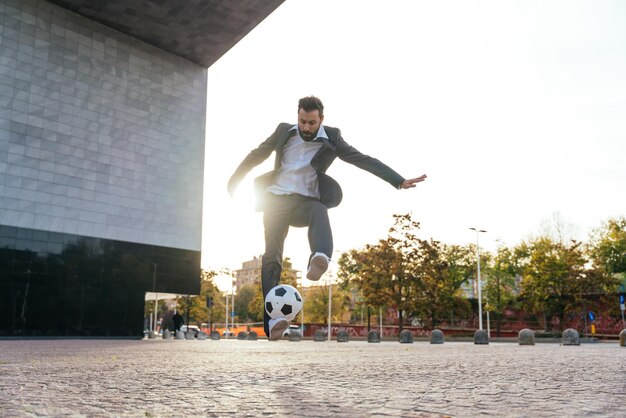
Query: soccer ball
283, 300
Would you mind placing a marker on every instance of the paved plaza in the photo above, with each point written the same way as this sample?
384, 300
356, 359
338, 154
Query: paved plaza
307, 378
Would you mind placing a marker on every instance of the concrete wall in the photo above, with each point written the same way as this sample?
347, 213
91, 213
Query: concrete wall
101, 135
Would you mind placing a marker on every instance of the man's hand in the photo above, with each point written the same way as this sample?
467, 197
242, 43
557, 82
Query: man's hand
409, 183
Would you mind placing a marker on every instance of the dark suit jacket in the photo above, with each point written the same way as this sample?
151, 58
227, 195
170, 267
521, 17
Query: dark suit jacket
333, 147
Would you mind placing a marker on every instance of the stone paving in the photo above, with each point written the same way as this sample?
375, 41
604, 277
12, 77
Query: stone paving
307, 378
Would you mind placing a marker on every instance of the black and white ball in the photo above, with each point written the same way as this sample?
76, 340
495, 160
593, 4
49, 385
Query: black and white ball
283, 301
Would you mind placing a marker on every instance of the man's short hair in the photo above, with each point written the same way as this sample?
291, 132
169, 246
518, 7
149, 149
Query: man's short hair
311, 103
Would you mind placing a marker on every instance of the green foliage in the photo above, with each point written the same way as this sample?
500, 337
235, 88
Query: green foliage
316, 304
287, 275
424, 277
194, 308
556, 275
439, 272
257, 305
499, 287
410, 274
546, 276
243, 303
608, 247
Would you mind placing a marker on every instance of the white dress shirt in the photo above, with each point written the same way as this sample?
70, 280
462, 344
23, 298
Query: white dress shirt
296, 175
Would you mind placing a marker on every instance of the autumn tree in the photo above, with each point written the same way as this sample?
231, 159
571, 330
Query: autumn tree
607, 248
499, 288
194, 308
438, 272
243, 302
459, 262
406, 277
371, 272
555, 277
413, 275
383, 272
316, 304
349, 274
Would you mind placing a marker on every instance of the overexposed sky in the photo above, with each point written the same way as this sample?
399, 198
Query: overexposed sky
514, 109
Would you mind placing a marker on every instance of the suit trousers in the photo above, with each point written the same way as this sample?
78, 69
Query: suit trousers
281, 212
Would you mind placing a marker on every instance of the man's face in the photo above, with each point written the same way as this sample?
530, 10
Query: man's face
309, 123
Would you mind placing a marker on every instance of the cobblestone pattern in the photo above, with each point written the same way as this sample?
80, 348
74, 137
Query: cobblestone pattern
254, 378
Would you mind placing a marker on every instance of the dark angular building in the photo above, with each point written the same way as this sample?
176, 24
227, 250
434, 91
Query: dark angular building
102, 130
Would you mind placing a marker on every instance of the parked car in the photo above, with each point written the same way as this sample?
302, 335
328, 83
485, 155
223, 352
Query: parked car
193, 328
292, 328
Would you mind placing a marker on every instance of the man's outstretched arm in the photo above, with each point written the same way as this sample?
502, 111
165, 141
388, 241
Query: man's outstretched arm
409, 183
255, 157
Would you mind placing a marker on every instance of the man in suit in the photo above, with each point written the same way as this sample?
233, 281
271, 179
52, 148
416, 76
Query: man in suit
298, 192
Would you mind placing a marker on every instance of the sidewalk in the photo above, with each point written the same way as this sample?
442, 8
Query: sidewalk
306, 378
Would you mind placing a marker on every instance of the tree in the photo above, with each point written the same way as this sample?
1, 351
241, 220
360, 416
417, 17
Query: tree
243, 301
287, 275
558, 229
195, 309
382, 273
316, 304
405, 279
256, 307
417, 276
555, 277
439, 271
500, 284
371, 272
349, 274
460, 264
607, 248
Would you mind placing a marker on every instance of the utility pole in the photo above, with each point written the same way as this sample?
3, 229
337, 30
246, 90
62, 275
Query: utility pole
330, 304
480, 296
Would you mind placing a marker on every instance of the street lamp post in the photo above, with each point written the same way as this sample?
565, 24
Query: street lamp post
301, 280
330, 303
227, 297
330, 275
480, 298
226, 318
232, 309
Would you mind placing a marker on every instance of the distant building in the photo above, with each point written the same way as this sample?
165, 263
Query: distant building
250, 272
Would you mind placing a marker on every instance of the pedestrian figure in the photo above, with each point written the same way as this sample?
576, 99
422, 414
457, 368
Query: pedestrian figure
178, 321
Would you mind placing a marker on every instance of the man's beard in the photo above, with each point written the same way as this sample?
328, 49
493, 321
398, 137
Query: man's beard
307, 136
